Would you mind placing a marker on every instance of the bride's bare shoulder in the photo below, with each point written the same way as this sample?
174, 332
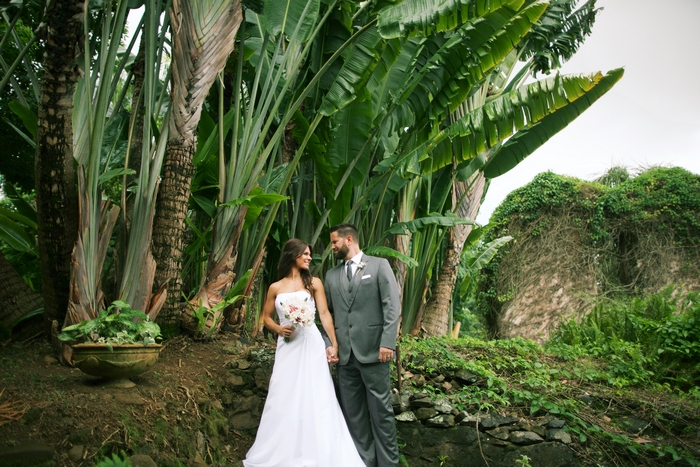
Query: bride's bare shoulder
275, 287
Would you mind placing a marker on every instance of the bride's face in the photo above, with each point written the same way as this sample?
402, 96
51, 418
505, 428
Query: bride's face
304, 260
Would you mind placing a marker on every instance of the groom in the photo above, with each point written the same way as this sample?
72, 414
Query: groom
363, 296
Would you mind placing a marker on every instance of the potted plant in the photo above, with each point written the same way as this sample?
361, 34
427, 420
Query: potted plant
120, 342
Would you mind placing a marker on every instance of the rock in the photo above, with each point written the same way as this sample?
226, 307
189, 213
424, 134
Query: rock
632, 424
467, 419
425, 413
524, 437
442, 405
441, 421
556, 434
129, 398
26, 454
556, 423
243, 364
501, 433
50, 360
262, 378
198, 461
235, 382
76, 453
142, 460
400, 403
419, 380
543, 455
244, 421
528, 426
492, 421
418, 403
466, 378
406, 417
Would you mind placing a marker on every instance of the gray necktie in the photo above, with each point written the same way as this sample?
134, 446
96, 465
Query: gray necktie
348, 267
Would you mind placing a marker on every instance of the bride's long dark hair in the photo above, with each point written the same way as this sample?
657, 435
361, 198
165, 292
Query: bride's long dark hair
291, 250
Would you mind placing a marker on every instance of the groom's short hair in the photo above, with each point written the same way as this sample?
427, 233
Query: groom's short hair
344, 230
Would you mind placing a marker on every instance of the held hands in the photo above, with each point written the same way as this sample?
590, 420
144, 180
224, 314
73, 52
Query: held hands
385, 355
332, 355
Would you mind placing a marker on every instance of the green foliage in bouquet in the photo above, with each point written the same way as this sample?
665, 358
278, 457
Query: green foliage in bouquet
118, 324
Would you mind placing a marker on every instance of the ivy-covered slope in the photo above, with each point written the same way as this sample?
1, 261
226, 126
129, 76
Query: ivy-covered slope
577, 240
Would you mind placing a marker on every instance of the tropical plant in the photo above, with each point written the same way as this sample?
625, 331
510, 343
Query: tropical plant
116, 325
203, 38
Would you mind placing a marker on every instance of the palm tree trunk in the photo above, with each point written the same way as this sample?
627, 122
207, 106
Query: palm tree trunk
168, 230
437, 311
57, 206
203, 38
17, 297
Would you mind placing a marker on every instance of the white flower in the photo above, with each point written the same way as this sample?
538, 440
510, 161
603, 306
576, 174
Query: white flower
361, 265
298, 311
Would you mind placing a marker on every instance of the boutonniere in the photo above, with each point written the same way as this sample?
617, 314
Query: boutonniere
361, 265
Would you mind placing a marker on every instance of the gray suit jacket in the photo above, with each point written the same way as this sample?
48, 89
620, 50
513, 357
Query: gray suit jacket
366, 315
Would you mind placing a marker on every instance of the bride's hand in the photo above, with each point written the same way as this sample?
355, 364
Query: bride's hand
287, 331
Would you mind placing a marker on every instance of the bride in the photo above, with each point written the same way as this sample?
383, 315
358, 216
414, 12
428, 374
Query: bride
302, 424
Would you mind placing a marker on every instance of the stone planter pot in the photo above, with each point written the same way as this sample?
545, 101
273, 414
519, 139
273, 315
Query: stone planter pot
118, 364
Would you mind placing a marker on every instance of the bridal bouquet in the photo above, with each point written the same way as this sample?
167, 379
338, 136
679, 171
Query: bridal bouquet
299, 312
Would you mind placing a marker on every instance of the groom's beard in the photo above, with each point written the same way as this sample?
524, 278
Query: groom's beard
341, 253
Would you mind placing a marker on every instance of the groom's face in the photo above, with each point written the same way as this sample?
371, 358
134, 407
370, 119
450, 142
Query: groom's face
339, 245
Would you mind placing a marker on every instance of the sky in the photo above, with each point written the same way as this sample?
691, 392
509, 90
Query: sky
651, 117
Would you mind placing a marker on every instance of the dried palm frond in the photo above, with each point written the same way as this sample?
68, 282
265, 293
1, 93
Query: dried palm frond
11, 410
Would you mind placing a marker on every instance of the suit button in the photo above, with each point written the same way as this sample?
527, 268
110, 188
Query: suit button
350, 326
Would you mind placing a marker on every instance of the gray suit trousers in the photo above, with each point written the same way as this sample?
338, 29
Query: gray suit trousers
365, 390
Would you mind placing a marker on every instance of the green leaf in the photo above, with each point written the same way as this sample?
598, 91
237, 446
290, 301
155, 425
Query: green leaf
580, 92
27, 116
15, 236
110, 174
206, 204
390, 253
355, 72
405, 228
294, 18
18, 217
418, 17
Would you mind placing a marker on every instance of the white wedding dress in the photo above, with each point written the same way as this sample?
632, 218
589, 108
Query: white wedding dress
302, 424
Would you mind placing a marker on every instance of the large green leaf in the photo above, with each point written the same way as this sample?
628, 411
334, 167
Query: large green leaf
292, 17
559, 34
502, 117
415, 225
482, 259
27, 115
524, 143
423, 17
348, 143
355, 73
15, 236
23, 207
390, 253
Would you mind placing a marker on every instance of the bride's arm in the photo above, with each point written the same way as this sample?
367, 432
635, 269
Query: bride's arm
324, 314
268, 314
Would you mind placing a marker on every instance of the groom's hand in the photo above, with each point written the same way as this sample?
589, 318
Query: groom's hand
385, 355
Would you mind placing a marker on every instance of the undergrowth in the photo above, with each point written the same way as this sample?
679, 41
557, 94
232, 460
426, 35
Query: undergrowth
635, 357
